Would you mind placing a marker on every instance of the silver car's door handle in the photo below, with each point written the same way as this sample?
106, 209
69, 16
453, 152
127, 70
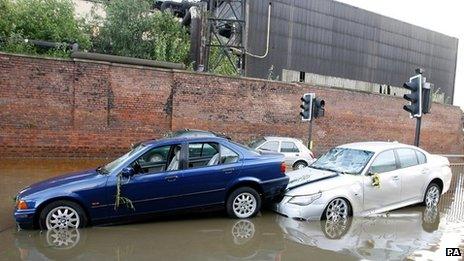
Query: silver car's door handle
297, 155
395, 178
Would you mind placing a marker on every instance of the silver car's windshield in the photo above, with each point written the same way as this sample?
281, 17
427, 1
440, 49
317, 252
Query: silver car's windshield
343, 160
256, 143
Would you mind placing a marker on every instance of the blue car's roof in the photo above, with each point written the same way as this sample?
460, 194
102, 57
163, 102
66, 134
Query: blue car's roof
169, 141
166, 141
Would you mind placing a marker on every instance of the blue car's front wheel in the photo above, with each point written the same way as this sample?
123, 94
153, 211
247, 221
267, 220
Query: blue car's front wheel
62, 214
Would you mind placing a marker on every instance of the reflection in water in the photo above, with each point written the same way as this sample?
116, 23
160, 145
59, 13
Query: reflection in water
195, 239
63, 238
384, 237
413, 232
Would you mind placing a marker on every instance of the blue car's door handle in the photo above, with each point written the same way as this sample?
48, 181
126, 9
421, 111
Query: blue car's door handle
171, 178
228, 171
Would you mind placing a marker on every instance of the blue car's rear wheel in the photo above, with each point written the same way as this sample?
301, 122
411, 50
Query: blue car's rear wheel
62, 214
243, 202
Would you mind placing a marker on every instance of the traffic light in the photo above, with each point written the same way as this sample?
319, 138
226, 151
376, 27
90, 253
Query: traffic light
415, 97
426, 97
307, 106
319, 108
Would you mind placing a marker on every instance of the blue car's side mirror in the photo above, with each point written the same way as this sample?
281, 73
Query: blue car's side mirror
127, 172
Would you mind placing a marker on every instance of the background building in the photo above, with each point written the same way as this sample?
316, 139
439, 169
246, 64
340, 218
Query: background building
328, 42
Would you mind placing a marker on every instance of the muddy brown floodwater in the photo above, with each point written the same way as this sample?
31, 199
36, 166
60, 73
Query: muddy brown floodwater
409, 233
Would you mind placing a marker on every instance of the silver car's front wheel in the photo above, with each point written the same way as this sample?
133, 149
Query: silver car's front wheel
432, 195
338, 209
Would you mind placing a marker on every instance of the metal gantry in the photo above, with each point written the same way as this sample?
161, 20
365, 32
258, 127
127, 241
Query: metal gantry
226, 35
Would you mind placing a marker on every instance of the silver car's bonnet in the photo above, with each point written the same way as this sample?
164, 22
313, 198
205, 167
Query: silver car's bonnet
307, 181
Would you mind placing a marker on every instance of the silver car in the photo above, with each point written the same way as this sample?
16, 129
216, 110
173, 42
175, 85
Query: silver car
365, 178
297, 155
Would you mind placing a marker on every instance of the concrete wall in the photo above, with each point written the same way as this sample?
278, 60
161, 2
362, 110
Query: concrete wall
52, 107
331, 81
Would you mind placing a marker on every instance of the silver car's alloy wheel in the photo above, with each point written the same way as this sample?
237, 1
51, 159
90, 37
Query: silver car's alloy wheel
62, 217
244, 205
337, 210
432, 197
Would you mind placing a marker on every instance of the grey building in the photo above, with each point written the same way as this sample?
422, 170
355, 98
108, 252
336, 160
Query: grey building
330, 38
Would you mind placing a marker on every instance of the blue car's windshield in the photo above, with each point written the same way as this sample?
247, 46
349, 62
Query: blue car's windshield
108, 168
343, 160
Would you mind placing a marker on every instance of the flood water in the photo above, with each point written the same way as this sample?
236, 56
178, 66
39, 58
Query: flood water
410, 233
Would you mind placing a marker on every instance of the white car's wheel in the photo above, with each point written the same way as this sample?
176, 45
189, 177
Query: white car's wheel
432, 195
300, 165
338, 209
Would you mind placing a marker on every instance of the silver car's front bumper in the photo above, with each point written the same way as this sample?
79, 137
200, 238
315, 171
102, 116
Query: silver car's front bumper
312, 211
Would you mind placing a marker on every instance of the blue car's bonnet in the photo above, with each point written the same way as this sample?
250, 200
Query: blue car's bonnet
58, 181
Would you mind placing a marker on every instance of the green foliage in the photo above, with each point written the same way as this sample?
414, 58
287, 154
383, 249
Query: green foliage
6, 18
48, 20
129, 29
220, 64
120, 199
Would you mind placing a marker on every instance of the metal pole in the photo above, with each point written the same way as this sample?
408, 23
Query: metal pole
310, 141
418, 126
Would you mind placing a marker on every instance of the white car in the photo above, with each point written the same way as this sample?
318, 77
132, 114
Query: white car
365, 178
297, 155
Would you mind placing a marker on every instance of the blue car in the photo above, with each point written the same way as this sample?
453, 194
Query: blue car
157, 176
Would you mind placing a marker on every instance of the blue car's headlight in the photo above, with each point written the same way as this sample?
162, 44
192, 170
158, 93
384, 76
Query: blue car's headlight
304, 200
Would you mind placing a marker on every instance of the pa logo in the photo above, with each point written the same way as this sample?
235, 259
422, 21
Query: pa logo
453, 251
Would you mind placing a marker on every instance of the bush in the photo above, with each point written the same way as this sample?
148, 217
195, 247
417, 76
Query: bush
130, 29
48, 20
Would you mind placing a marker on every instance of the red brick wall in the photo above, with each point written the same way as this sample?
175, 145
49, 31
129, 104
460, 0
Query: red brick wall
75, 108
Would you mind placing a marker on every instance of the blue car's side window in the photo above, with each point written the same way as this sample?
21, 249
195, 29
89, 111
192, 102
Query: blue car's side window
228, 156
159, 159
203, 154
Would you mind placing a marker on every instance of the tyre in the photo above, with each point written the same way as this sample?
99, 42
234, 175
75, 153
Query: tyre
432, 195
62, 214
338, 209
243, 202
300, 165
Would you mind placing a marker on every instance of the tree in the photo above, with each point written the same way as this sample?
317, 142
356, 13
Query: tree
48, 20
130, 29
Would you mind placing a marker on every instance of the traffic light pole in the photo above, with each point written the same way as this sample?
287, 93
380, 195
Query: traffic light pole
310, 141
418, 127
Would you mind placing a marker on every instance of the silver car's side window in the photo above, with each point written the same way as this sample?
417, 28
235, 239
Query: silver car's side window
407, 157
421, 157
271, 146
289, 147
384, 162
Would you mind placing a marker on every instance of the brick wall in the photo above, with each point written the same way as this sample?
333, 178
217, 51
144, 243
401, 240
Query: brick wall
52, 107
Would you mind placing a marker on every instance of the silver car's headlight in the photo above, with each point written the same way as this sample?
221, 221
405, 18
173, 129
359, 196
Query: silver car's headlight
304, 200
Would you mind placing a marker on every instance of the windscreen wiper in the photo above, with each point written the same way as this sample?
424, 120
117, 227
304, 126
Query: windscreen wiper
331, 170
